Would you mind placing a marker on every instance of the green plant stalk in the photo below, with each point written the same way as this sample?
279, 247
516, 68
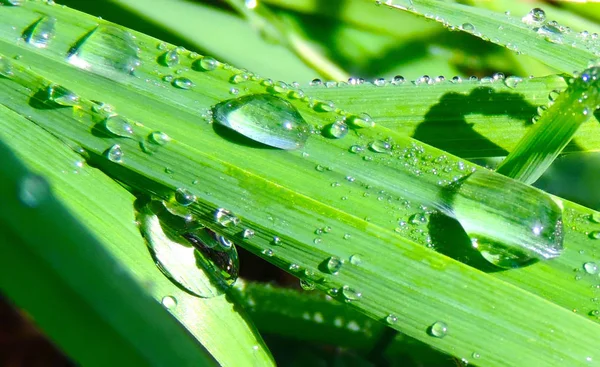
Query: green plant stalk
554, 129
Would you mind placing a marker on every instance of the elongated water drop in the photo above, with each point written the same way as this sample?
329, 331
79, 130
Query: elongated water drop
40, 33
264, 118
105, 50
118, 126
191, 258
511, 224
225, 218
333, 264
61, 96
182, 83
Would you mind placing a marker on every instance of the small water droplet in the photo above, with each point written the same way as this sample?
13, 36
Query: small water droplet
380, 146
182, 83
355, 260
337, 130
118, 126
264, 118
276, 241
468, 27
476, 355
439, 329
391, 319
206, 63
248, 233
307, 285
294, 267
105, 50
40, 33
114, 153
356, 149
159, 138
380, 82
398, 79
225, 218
591, 268
418, 218
169, 58
268, 252
333, 264
184, 197
350, 294
534, 17
169, 302
33, 190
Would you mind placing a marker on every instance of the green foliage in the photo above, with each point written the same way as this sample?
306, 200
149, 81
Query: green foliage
378, 206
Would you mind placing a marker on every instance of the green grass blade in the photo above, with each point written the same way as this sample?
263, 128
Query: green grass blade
554, 129
75, 290
565, 51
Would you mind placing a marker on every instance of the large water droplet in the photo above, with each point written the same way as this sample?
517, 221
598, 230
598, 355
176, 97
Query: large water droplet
169, 58
40, 33
264, 118
182, 83
192, 258
225, 218
510, 224
591, 268
391, 319
534, 17
206, 63
350, 294
439, 329
118, 126
169, 302
333, 264
60, 95
336, 130
33, 190
106, 50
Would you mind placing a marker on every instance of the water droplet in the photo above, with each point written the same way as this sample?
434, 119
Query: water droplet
590, 268
380, 82
6, 69
169, 58
506, 234
268, 252
33, 190
355, 260
184, 197
248, 233
595, 217
468, 27
294, 267
553, 95
40, 33
206, 63
439, 329
264, 118
418, 218
333, 264
534, 17
169, 302
307, 285
391, 319
182, 83
552, 33
276, 241
225, 218
475, 355
192, 259
316, 82
380, 146
350, 294
118, 126
159, 138
398, 79
361, 120
114, 153
337, 130
356, 149
457, 79
105, 50
61, 96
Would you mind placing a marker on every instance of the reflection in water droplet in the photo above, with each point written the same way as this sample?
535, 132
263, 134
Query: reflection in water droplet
307, 285
40, 33
106, 50
225, 218
264, 118
169, 302
524, 226
114, 153
191, 258
439, 329
33, 190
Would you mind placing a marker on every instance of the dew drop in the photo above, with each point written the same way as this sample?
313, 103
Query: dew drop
41, 32
294, 267
595, 217
276, 241
118, 126
106, 50
169, 58
526, 225
184, 197
391, 319
350, 294
169, 302
192, 259
439, 329
333, 264
6, 68
380, 146
398, 79
307, 285
591, 268
61, 96
33, 190
248, 233
336, 130
356, 149
206, 63
264, 118
534, 17
159, 138
355, 260
225, 218
468, 27
380, 82
268, 252
316, 82
361, 120
114, 153
182, 83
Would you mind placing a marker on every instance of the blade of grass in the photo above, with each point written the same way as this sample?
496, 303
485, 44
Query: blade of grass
554, 129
